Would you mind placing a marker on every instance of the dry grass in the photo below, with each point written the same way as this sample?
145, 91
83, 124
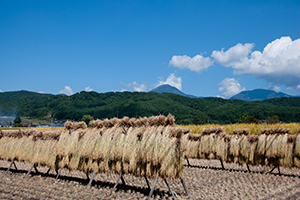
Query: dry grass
253, 128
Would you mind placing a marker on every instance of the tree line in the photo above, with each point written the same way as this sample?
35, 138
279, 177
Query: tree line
140, 104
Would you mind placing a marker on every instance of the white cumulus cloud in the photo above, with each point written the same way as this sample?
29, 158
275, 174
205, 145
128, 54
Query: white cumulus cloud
88, 89
298, 88
67, 90
0, 90
173, 81
135, 86
275, 88
196, 63
278, 63
230, 87
233, 56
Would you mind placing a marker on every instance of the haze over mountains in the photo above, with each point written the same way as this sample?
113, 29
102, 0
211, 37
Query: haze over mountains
250, 95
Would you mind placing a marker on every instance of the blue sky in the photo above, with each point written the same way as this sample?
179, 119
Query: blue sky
204, 48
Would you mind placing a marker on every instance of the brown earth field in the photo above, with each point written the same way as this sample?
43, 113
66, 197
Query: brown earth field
204, 179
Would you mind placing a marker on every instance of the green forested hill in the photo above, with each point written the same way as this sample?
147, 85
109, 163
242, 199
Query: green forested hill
139, 104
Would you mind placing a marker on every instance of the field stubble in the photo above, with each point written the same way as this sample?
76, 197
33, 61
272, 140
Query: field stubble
202, 183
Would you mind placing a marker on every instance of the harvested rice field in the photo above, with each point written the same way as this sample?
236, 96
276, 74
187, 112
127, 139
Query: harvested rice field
204, 179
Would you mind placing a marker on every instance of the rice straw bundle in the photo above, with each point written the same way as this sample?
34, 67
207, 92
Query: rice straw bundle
51, 135
7, 148
45, 153
248, 146
158, 153
68, 143
131, 149
260, 149
12, 133
86, 146
29, 132
142, 121
68, 125
171, 156
191, 145
297, 151
271, 149
146, 149
219, 135
206, 144
24, 148
287, 160
234, 148
271, 131
115, 152
241, 132
125, 121
222, 148
101, 146
209, 143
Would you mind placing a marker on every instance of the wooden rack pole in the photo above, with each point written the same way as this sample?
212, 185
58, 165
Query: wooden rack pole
170, 189
29, 170
153, 187
21, 132
48, 171
233, 166
222, 164
91, 180
147, 182
187, 160
58, 172
120, 178
208, 164
273, 170
248, 168
185, 188
123, 181
15, 165
125, 132
12, 163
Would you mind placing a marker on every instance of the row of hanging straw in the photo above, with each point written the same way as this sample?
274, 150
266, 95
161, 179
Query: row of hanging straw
273, 147
143, 147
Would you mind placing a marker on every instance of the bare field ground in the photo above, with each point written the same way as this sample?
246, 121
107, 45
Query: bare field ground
202, 183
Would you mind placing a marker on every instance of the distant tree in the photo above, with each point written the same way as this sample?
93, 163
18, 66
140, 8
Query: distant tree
248, 119
17, 120
273, 120
87, 119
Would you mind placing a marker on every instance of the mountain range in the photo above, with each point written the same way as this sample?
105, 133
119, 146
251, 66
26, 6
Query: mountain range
186, 110
250, 95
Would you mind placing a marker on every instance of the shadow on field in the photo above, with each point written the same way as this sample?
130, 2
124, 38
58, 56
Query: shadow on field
240, 170
96, 183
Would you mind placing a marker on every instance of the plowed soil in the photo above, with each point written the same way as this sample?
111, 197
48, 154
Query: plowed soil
204, 180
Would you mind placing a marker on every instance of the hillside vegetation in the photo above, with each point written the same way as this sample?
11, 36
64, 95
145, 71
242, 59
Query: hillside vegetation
140, 104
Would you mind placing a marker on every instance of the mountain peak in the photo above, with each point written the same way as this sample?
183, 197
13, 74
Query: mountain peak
259, 95
166, 88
